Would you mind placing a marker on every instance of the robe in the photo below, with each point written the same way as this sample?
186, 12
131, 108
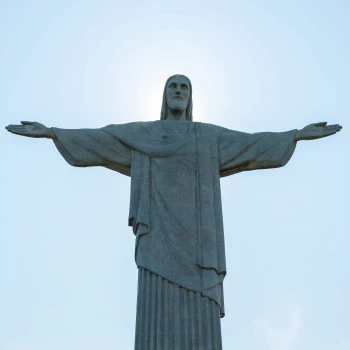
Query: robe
175, 199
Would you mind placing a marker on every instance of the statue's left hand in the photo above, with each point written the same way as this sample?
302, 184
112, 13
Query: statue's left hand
317, 131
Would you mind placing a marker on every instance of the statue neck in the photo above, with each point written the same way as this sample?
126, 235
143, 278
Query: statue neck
176, 114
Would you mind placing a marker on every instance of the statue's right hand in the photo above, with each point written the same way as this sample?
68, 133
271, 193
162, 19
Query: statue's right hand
31, 129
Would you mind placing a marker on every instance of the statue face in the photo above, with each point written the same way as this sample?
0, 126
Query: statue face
178, 93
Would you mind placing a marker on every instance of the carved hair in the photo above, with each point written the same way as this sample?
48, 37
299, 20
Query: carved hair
164, 111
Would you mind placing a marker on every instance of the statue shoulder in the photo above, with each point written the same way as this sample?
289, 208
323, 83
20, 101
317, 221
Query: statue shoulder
210, 129
130, 127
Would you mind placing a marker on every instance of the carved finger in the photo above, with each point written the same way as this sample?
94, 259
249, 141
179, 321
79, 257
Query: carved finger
16, 126
12, 129
18, 132
27, 123
328, 128
13, 126
329, 133
320, 124
333, 126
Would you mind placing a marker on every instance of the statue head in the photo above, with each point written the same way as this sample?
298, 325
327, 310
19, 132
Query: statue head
177, 95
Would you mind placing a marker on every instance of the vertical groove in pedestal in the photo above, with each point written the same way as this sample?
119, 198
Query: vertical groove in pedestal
206, 325
191, 317
146, 316
165, 318
198, 313
184, 319
153, 328
176, 315
160, 304
170, 317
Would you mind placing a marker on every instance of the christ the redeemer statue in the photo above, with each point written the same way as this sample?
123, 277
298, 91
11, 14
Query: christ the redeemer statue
175, 166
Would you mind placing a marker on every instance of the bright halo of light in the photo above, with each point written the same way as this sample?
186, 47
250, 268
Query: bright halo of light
150, 100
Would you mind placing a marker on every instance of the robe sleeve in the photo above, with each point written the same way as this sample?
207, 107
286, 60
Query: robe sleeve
93, 147
239, 151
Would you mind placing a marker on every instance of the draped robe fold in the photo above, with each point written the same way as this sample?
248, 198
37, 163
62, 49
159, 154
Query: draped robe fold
175, 201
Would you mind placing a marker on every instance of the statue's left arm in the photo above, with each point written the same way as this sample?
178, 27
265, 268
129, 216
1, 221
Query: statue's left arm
242, 151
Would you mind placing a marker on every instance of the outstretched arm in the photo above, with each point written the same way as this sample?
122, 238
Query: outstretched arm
31, 129
317, 131
81, 147
241, 151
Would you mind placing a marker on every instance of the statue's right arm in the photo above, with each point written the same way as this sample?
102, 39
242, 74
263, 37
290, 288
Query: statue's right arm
31, 129
82, 147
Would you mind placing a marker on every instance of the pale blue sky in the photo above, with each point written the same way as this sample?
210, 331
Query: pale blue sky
68, 279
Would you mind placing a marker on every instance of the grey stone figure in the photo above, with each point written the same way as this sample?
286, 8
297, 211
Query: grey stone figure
175, 166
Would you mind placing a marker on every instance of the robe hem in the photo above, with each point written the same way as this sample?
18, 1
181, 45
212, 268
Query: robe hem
222, 315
